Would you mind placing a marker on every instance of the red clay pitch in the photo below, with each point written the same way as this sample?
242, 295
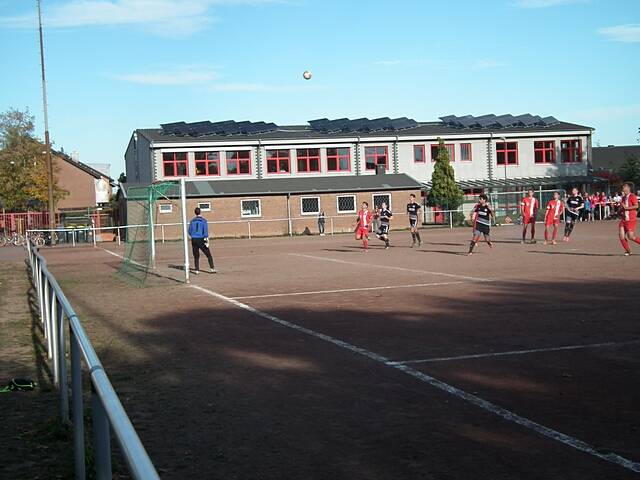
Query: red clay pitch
219, 391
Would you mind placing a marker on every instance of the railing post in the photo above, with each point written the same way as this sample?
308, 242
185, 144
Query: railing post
162, 230
47, 313
450, 219
101, 437
55, 340
73, 237
94, 236
331, 225
118, 234
41, 291
62, 369
249, 228
77, 406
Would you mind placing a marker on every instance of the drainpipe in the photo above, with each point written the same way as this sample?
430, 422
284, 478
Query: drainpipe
358, 156
395, 155
259, 159
289, 214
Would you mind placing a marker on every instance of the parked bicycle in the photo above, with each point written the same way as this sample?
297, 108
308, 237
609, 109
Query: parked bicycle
13, 239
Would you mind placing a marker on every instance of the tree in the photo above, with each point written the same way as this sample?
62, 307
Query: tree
444, 191
23, 169
630, 170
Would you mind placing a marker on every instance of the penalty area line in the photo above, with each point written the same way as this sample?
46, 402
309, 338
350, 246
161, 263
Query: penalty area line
346, 290
439, 384
391, 267
516, 352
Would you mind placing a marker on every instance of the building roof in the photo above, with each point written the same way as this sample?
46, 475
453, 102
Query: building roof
304, 132
83, 166
310, 185
525, 182
612, 158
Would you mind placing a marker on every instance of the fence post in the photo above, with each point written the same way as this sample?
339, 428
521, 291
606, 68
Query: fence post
47, 313
55, 341
331, 218
249, 228
77, 406
94, 236
101, 437
73, 237
118, 230
450, 219
162, 231
62, 371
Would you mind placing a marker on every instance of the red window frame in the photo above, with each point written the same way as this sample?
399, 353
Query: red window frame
278, 158
305, 158
422, 154
242, 160
463, 147
505, 148
375, 155
449, 146
547, 151
202, 160
338, 158
173, 160
573, 147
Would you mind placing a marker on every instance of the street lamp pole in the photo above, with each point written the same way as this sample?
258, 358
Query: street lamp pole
47, 141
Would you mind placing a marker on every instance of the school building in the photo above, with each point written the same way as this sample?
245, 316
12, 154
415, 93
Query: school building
488, 153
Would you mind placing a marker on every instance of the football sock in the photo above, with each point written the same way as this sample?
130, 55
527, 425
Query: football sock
418, 237
625, 244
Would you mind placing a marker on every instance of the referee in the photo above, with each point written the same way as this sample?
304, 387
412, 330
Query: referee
199, 233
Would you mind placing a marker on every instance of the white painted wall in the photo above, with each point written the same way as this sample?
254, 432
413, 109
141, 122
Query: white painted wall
476, 169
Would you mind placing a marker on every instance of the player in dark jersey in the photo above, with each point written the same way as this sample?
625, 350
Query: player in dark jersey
481, 216
384, 216
413, 209
574, 204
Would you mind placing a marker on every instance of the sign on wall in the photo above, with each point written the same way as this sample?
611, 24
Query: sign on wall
102, 191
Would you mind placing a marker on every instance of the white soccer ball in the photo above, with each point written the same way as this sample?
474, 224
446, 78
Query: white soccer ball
307, 75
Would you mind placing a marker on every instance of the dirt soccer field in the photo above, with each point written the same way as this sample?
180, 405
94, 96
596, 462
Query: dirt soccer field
305, 358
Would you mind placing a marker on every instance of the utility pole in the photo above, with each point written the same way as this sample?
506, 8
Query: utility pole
52, 207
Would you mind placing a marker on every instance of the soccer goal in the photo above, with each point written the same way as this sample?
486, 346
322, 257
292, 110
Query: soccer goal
144, 232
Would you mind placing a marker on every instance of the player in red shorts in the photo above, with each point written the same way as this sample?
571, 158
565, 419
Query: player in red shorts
629, 213
555, 208
363, 225
529, 207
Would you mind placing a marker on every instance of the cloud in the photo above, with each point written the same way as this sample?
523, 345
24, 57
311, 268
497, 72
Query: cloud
629, 33
187, 75
164, 17
546, 3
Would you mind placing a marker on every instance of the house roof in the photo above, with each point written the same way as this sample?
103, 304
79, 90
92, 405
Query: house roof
525, 182
304, 132
612, 158
83, 166
310, 185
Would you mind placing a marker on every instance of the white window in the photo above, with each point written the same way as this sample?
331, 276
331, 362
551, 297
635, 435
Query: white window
310, 205
165, 207
346, 203
250, 208
381, 197
204, 206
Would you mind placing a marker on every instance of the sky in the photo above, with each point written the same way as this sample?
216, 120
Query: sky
117, 65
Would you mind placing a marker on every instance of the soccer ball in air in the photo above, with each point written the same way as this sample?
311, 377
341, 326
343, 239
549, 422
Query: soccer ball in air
307, 75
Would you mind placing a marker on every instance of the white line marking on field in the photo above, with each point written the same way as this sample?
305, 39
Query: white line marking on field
434, 382
345, 290
112, 253
403, 269
517, 352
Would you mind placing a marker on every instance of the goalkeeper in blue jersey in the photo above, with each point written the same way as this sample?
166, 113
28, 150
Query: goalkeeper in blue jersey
199, 233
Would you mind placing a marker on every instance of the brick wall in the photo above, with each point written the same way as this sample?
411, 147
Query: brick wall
273, 220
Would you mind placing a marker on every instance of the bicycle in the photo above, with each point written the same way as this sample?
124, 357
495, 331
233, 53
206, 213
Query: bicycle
37, 238
15, 239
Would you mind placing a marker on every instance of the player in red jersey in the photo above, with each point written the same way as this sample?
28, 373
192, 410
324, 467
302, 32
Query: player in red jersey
363, 225
629, 214
555, 208
529, 207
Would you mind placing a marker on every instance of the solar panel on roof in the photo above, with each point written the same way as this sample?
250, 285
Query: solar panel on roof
359, 124
403, 123
382, 123
550, 120
338, 125
175, 128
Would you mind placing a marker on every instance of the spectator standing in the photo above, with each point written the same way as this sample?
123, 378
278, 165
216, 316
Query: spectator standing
321, 223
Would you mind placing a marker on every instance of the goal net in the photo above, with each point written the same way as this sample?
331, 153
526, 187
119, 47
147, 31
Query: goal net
141, 236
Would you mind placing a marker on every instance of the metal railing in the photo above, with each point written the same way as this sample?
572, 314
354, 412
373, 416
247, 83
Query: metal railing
108, 414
